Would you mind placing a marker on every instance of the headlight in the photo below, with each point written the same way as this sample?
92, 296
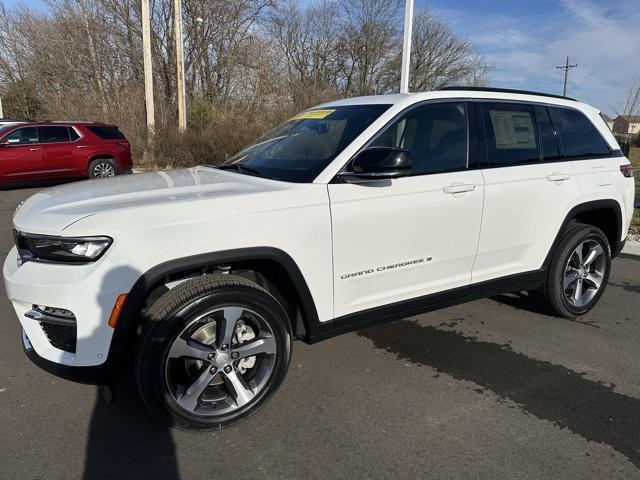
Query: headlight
60, 249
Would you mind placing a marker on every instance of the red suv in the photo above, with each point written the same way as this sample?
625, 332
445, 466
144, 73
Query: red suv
49, 150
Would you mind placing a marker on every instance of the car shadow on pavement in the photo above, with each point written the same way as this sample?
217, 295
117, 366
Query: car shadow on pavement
548, 391
125, 442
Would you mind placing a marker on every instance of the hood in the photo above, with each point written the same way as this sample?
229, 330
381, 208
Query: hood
52, 210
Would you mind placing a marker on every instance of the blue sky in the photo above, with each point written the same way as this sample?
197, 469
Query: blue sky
526, 39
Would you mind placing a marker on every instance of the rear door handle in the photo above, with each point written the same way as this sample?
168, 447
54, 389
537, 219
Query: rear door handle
35, 149
558, 177
459, 188
81, 146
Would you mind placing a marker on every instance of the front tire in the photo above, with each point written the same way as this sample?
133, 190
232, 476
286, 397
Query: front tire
578, 273
213, 351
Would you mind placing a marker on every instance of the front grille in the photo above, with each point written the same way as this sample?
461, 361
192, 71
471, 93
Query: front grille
60, 336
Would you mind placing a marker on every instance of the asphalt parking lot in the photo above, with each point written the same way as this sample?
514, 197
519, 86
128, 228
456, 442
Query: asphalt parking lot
490, 389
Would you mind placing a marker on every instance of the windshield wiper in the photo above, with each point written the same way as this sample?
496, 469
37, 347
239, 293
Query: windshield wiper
240, 168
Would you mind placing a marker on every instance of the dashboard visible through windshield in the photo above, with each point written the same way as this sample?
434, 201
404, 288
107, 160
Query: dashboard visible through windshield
300, 148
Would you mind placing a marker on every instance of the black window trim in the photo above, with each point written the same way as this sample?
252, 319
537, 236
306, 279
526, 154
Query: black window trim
612, 153
472, 136
556, 137
477, 145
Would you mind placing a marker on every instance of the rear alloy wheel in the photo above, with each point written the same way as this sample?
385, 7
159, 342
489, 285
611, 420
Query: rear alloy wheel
584, 273
213, 351
578, 272
102, 168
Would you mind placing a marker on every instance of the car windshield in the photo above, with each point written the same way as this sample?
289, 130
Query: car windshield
303, 146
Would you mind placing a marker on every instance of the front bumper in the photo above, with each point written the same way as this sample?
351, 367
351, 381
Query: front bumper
104, 374
88, 291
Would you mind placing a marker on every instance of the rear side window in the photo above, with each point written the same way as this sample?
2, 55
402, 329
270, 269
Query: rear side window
511, 134
550, 151
435, 134
580, 138
106, 133
22, 136
54, 134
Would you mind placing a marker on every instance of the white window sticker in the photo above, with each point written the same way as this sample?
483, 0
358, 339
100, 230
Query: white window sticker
513, 130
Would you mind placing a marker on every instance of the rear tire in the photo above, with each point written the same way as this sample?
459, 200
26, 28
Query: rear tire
102, 168
578, 273
194, 366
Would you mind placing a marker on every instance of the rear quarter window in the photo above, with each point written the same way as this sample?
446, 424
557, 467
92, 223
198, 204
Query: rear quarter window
106, 133
579, 137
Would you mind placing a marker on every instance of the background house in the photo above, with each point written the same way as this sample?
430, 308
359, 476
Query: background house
629, 124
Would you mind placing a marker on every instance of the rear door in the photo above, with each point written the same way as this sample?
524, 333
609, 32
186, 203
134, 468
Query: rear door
57, 150
528, 187
403, 238
21, 156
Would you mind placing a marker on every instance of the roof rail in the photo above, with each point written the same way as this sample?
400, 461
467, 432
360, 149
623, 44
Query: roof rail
507, 90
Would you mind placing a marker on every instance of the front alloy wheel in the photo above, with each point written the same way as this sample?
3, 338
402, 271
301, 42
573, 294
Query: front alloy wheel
212, 351
220, 361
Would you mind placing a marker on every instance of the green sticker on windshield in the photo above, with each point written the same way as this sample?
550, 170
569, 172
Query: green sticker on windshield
313, 115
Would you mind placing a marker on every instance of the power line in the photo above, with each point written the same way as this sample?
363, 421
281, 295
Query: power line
566, 67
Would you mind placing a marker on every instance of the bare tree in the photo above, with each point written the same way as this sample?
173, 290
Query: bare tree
630, 100
248, 64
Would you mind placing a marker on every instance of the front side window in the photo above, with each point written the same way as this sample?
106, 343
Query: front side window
54, 134
580, 138
302, 147
435, 134
511, 134
22, 136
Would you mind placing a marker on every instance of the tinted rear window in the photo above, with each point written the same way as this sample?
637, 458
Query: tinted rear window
580, 138
511, 134
107, 133
54, 134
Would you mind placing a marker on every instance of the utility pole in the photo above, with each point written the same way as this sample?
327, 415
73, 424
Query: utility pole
406, 47
1, 113
566, 67
148, 71
182, 106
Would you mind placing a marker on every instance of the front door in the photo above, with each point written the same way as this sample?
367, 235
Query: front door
403, 238
21, 156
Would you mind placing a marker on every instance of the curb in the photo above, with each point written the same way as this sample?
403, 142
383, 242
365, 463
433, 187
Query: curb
632, 247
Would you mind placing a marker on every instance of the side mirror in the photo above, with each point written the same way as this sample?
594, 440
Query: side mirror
379, 163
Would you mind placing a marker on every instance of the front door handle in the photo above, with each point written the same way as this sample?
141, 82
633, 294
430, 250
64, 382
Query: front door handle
459, 188
35, 149
558, 177
81, 146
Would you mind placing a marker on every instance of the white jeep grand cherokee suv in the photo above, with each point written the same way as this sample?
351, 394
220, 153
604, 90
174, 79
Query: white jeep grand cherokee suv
355, 212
